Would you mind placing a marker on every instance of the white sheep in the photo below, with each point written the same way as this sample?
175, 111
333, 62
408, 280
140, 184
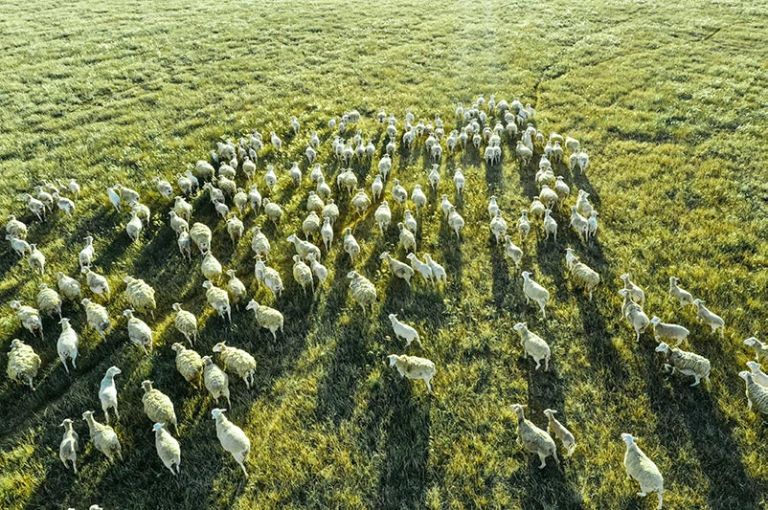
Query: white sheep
139, 333
218, 299
533, 439
66, 346
414, 367
48, 301
103, 437
19, 246
184, 242
85, 257
537, 209
303, 248
232, 438
535, 292
579, 224
185, 323
302, 274
211, 267
404, 331
319, 270
383, 216
68, 286
235, 229
97, 283
523, 225
158, 406
36, 259
269, 277
558, 430
582, 204
455, 221
683, 296
687, 363
550, 226
667, 331
133, 227
360, 202
758, 375
438, 271
23, 363
216, 380
636, 294
168, 448
398, 269
513, 252
585, 277
182, 208
108, 392
418, 197
69, 445
188, 363
326, 233
201, 236
331, 211
710, 318
642, 469
96, 316
760, 348
533, 345
592, 228
266, 317
238, 360
362, 290
634, 314
498, 227
28, 316
140, 295
406, 238
259, 243
423, 268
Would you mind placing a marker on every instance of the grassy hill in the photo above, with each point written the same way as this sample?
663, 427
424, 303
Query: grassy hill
670, 102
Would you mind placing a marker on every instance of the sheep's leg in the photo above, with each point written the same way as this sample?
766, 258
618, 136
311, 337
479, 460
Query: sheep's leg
117, 415
642, 494
74, 465
660, 496
543, 460
546, 364
429, 385
697, 381
538, 364
106, 414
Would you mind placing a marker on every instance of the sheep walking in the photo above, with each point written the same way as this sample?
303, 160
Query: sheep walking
533, 439
535, 292
760, 348
636, 294
218, 299
584, 277
362, 290
398, 269
533, 345
269, 277
168, 448
108, 392
216, 380
238, 360
757, 395
66, 346
667, 331
634, 314
158, 406
23, 363
266, 317
710, 318
683, 296
232, 438
139, 295
687, 363
188, 363
414, 367
758, 375
558, 430
96, 316
103, 437
29, 317
69, 445
404, 331
68, 287
139, 333
643, 470
185, 323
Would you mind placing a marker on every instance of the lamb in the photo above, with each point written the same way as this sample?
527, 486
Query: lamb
438, 271
303, 274
666, 331
634, 314
66, 346
19, 246
48, 301
362, 290
533, 439
760, 348
211, 267
303, 248
326, 233
140, 295
399, 269
331, 211
158, 406
513, 252
493, 207
579, 224
241, 362
523, 225
138, 332
713, 320
133, 227
266, 317
259, 243
201, 236
550, 226
36, 259
585, 277
319, 270
559, 431
218, 299
182, 209
28, 316
188, 363
406, 238
185, 323
534, 345
108, 392
96, 282
232, 438
23, 363
360, 202
216, 380
103, 437
434, 177
683, 296
636, 294
15, 228
423, 268
351, 247
498, 227
592, 226
96, 316
383, 216
68, 446
535, 292
414, 367
235, 288
68, 286
758, 375
168, 448
311, 225
687, 363
642, 469
404, 331
235, 229
184, 243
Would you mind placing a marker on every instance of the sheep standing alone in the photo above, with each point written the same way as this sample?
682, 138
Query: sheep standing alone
643, 470
757, 395
140, 295
68, 446
232, 438
533, 345
687, 363
683, 296
243, 364
108, 392
414, 367
188, 363
96, 316
103, 437
216, 380
28, 316
535, 292
710, 318
158, 406
533, 439
362, 290
23, 363
559, 431
168, 448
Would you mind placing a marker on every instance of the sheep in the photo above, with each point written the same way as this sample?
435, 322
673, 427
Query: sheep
157, 405
535, 292
235, 288
592, 226
579, 224
347, 180
406, 238
69, 445
108, 392
303, 248
34, 206
48, 301
85, 257
255, 199
185, 244
558, 430
103, 437
133, 227
140, 295
303, 274
634, 314
498, 227
311, 225
36, 259
201, 236
362, 290
456, 222
218, 299
385, 165
760, 348
314, 202
533, 439
548, 197
185, 323
182, 209
259, 243
579, 160
561, 188
188, 363
28, 316
319, 270
445, 205
636, 294
270, 178
269, 277
398, 269
351, 247
266, 317
422, 268
360, 202
232, 438
572, 144
642, 469
666, 331
241, 362
537, 209
19, 246
163, 187
187, 182
331, 211
68, 286
204, 170
139, 333
513, 252
533, 345
414, 367
758, 375
582, 204
377, 186
404, 331
326, 233
683, 296
550, 226
585, 277
235, 229
15, 228
66, 346
23, 363
713, 320
216, 380
168, 448
524, 153
97, 283
687, 363
97, 316
434, 177
438, 271
383, 216
523, 225
409, 221
493, 207
142, 212
64, 204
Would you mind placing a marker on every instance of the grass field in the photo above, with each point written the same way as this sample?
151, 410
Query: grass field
670, 101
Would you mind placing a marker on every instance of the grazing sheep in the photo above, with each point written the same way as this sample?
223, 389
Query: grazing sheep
28, 316
85, 257
163, 187
68, 446
232, 438
533, 439
269, 277
558, 430
404, 331
235, 229
241, 362
513, 252
23, 363
218, 299
48, 301
270, 178
188, 363
683, 296
168, 448
687, 363
362, 290
713, 320
399, 269
204, 170
533, 345
158, 406
36, 259
642, 469
666, 331
139, 333
201, 236
636, 294
108, 392
266, 317
585, 277
377, 187
535, 292
319, 270
758, 375
96, 316
414, 367
561, 188
140, 295
185, 323
103, 437
68, 286
634, 314
66, 346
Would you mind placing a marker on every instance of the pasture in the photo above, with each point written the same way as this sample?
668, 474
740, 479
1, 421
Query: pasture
669, 99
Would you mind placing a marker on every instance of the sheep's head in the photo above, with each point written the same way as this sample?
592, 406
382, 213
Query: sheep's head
64, 323
698, 302
292, 238
655, 320
157, 427
352, 275
252, 305
673, 280
747, 376
751, 341
15, 304
662, 347
128, 313
67, 423
16, 343
629, 439
518, 409
392, 359
217, 413
526, 275
754, 366
113, 371
146, 386
624, 293
520, 327
85, 301
207, 284
219, 347
384, 255
87, 415
625, 277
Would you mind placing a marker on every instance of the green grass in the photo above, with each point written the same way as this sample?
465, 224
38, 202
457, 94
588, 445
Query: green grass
670, 101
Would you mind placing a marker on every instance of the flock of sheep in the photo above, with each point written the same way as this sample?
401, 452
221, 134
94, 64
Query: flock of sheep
487, 124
